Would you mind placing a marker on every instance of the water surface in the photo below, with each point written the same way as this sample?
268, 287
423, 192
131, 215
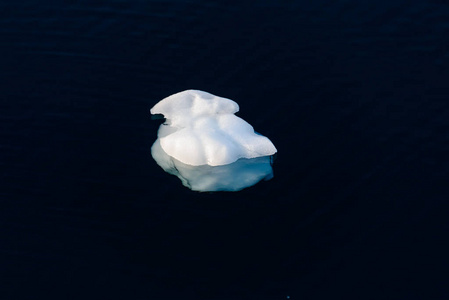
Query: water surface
353, 95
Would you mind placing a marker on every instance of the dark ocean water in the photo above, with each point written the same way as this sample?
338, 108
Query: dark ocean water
354, 94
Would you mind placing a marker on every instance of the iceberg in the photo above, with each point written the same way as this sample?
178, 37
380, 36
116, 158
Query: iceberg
207, 146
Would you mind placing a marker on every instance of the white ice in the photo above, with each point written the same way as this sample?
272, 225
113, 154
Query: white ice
201, 129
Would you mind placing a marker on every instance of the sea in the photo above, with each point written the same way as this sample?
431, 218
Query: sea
353, 94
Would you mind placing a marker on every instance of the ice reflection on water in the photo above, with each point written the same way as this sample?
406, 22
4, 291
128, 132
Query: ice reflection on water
232, 177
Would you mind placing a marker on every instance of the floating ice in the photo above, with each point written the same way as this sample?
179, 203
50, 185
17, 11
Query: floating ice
207, 146
201, 129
